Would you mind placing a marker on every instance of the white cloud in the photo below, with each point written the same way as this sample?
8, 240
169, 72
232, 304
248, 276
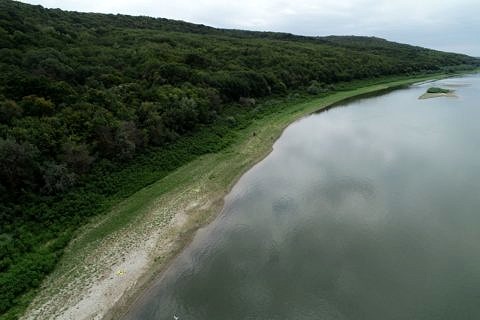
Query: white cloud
443, 24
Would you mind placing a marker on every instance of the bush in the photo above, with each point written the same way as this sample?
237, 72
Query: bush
438, 90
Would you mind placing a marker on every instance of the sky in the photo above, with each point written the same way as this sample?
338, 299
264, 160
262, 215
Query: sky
448, 25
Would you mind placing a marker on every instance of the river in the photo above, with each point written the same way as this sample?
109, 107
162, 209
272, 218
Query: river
370, 210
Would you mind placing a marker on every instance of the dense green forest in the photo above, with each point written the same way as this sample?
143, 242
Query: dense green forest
94, 107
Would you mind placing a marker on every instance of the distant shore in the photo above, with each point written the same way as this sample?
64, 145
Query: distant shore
100, 279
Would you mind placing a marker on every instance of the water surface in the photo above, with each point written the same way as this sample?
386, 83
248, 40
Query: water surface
366, 211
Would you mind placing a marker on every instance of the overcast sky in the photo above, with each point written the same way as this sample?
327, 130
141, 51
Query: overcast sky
449, 25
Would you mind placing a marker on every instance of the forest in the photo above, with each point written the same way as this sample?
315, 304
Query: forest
94, 107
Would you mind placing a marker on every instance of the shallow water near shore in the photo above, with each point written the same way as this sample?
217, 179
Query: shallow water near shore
365, 211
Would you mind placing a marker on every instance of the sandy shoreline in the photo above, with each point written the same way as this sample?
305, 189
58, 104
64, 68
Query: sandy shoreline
114, 268
100, 280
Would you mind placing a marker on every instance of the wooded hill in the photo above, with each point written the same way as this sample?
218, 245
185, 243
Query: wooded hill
94, 107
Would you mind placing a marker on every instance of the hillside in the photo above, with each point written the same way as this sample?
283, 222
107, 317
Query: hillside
94, 107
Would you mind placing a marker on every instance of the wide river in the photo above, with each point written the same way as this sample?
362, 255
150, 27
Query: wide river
370, 210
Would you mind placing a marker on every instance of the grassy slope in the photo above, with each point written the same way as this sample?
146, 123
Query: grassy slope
212, 174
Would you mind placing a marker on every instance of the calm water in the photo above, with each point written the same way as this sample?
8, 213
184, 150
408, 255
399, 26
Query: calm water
367, 211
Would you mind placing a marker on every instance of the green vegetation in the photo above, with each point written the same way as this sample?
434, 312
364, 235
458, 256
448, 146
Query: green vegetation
438, 90
94, 107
